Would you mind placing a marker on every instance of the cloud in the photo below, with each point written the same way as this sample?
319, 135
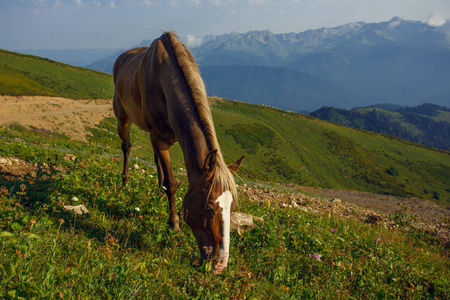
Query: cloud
257, 2
436, 20
193, 41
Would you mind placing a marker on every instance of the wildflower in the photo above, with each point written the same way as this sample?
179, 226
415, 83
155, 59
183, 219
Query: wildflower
315, 256
332, 230
33, 221
116, 159
376, 241
268, 203
74, 199
22, 187
137, 209
208, 250
61, 221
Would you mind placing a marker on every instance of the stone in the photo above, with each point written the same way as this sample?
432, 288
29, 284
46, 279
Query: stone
78, 209
242, 222
70, 157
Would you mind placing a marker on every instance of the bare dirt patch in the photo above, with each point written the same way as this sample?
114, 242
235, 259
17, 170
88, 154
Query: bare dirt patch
65, 116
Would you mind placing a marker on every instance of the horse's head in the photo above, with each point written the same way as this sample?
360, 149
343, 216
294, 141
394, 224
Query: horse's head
207, 209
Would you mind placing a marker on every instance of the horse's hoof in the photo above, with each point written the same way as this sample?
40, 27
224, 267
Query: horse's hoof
175, 226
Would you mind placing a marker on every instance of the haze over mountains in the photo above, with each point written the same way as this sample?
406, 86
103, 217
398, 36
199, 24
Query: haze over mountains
359, 64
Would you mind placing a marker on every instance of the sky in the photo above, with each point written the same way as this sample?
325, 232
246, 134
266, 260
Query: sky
78, 24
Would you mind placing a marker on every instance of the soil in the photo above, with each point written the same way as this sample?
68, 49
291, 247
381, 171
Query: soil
65, 116
70, 117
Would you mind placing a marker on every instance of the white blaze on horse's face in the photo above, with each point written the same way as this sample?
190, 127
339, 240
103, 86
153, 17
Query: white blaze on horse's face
225, 200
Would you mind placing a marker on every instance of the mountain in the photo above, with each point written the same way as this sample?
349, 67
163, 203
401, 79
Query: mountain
426, 124
399, 62
269, 49
278, 87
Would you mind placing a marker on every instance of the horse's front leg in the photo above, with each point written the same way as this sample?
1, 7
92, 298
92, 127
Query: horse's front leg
166, 178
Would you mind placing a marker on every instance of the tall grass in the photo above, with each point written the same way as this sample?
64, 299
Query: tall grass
124, 249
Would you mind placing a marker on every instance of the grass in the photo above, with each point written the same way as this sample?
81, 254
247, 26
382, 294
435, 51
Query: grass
22, 74
121, 252
289, 147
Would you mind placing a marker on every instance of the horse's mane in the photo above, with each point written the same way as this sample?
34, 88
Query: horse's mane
222, 175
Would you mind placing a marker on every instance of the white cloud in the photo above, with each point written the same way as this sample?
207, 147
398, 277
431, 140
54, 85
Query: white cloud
112, 4
257, 2
78, 2
193, 41
436, 20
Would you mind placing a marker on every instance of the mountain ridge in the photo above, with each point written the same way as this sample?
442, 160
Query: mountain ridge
399, 61
426, 124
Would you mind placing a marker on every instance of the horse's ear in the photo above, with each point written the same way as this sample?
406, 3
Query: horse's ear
210, 162
235, 166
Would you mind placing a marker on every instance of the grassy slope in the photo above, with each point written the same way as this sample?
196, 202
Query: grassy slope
117, 252
312, 152
288, 147
280, 146
30, 75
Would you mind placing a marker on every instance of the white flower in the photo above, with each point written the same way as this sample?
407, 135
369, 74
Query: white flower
74, 199
137, 209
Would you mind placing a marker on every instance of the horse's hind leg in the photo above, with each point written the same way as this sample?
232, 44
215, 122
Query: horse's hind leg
124, 133
166, 178
123, 126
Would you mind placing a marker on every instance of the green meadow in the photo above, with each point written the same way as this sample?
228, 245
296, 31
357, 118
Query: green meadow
123, 249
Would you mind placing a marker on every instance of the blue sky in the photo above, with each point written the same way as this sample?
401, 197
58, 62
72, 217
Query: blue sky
68, 24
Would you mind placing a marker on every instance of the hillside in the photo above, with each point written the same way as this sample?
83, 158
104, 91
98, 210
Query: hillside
22, 74
286, 147
427, 124
277, 87
123, 248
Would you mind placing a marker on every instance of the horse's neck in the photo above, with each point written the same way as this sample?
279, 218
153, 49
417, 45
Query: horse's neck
183, 116
187, 127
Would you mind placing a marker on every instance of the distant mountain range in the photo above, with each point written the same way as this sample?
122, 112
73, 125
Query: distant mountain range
399, 62
359, 64
426, 124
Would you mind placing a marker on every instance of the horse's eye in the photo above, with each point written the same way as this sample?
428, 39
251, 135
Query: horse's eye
209, 210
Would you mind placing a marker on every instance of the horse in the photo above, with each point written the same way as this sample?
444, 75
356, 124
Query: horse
159, 88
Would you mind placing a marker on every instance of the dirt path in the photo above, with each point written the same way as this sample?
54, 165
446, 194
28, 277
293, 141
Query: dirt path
60, 115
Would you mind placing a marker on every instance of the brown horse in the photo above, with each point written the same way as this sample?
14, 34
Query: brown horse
159, 88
